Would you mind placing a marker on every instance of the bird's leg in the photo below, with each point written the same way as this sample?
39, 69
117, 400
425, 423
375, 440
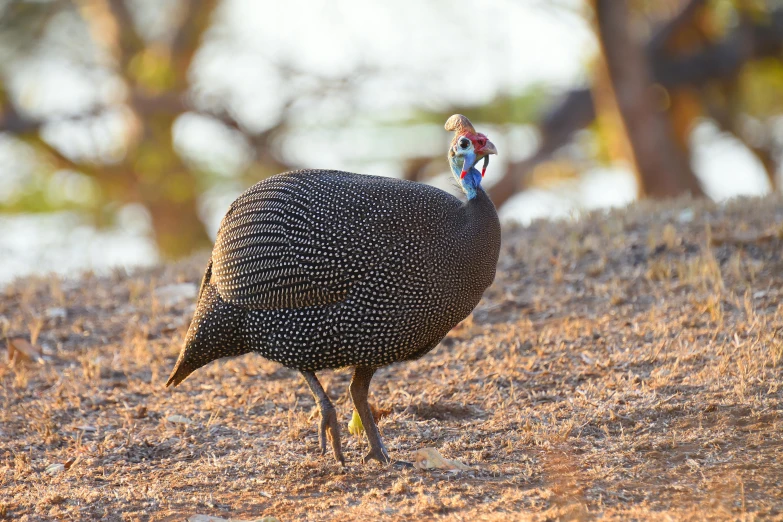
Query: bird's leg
360, 387
328, 428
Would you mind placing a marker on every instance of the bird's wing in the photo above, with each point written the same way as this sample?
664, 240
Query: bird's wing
268, 256
305, 238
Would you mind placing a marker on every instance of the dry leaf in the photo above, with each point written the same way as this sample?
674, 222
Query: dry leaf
179, 419
70, 462
747, 237
379, 413
355, 426
430, 458
54, 469
56, 313
686, 216
20, 348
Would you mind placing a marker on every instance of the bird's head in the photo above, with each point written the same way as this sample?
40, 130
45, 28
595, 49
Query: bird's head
465, 151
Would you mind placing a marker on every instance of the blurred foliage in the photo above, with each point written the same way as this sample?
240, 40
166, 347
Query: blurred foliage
717, 61
761, 85
520, 108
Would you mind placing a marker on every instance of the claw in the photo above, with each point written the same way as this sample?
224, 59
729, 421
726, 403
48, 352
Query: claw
378, 454
329, 429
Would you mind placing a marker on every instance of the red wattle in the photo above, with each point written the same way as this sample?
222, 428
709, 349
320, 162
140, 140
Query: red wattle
462, 176
483, 171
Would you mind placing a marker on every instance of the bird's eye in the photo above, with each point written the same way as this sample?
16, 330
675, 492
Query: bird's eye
464, 143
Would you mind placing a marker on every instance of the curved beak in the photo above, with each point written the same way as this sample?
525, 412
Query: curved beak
486, 150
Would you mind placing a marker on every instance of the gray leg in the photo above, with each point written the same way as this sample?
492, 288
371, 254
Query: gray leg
328, 428
360, 387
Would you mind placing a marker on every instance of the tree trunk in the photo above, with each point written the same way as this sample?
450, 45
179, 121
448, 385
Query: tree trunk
661, 165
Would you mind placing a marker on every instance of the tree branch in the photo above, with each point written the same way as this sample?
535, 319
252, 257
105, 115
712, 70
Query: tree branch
186, 41
724, 59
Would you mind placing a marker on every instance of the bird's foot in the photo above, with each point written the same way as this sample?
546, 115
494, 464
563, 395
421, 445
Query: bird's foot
378, 453
383, 457
329, 429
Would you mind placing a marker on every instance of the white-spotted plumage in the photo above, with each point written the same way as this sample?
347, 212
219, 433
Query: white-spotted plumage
323, 269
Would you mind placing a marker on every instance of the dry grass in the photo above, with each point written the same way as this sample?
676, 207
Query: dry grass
627, 365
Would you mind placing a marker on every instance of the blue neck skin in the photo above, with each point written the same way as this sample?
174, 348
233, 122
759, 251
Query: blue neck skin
472, 180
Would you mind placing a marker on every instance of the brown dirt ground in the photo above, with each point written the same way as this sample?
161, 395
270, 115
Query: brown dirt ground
623, 365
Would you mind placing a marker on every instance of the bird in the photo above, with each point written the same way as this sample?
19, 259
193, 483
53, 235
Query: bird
324, 269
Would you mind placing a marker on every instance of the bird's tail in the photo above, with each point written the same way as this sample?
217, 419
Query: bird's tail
181, 370
214, 332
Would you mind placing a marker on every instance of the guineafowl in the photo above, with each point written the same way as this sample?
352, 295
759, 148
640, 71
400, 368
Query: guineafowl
319, 269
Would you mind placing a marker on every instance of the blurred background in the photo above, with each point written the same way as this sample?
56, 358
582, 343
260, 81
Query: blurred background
127, 127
